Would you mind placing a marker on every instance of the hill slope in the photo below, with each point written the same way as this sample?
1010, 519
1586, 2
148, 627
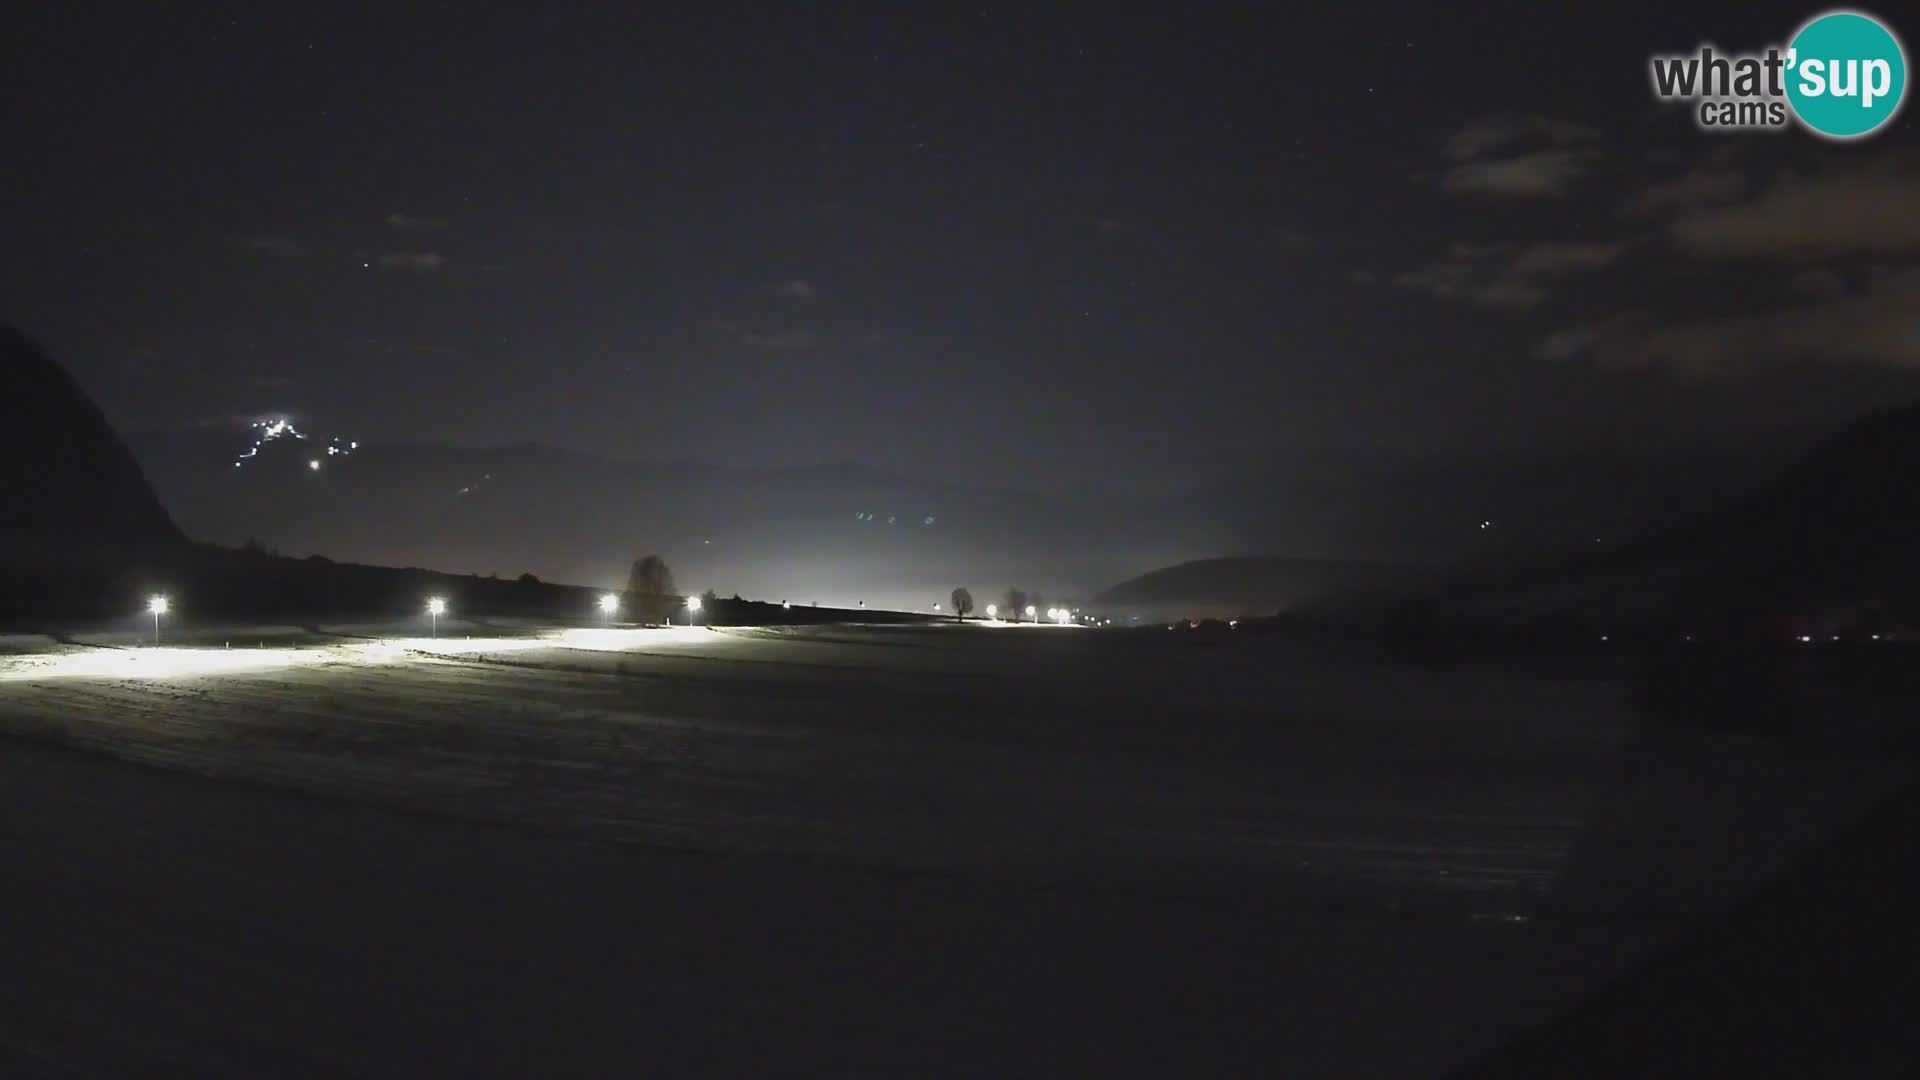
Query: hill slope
1830, 540
64, 474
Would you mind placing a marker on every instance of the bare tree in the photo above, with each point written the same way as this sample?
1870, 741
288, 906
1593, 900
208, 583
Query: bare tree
962, 603
1016, 604
650, 589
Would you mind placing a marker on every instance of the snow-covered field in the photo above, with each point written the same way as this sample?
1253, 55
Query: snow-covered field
906, 850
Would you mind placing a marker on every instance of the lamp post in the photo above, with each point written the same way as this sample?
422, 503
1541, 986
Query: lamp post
436, 607
693, 608
993, 611
1030, 611
609, 604
157, 604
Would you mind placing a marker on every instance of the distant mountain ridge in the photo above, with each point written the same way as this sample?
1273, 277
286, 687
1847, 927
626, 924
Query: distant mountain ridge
1244, 585
833, 532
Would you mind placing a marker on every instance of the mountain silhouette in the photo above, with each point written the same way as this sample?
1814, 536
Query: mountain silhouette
65, 475
1829, 541
1243, 585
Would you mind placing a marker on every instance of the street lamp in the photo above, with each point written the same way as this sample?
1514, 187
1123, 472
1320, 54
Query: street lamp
993, 611
609, 604
436, 607
157, 604
693, 609
1030, 612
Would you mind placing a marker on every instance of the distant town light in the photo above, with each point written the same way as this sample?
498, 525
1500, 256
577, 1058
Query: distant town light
314, 464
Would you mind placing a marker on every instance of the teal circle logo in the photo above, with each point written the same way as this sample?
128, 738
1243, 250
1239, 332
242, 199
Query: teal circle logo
1846, 74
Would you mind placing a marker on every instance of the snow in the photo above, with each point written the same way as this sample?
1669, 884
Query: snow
927, 849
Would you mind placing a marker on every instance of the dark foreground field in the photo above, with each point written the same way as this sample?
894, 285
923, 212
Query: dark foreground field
929, 850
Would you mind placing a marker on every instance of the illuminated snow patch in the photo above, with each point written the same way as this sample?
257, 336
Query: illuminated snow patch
155, 663
175, 662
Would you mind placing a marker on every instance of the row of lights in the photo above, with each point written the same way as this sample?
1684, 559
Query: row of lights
1057, 614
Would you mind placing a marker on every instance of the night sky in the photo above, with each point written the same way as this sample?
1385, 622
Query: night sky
997, 244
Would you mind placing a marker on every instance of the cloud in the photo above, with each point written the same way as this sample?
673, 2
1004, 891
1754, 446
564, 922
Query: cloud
1290, 241
1864, 211
1553, 259
1465, 280
282, 247
419, 262
1493, 276
1876, 327
1540, 174
408, 221
784, 339
1819, 282
1699, 187
1490, 133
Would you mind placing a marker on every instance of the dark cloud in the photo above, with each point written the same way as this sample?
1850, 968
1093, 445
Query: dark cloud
1819, 282
784, 339
419, 262
1464, 280
1690, 190
1490, 133
1855, 210
1542, 260
1541, 156
1875, 327
283, 247
1500, 277
1541, 174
